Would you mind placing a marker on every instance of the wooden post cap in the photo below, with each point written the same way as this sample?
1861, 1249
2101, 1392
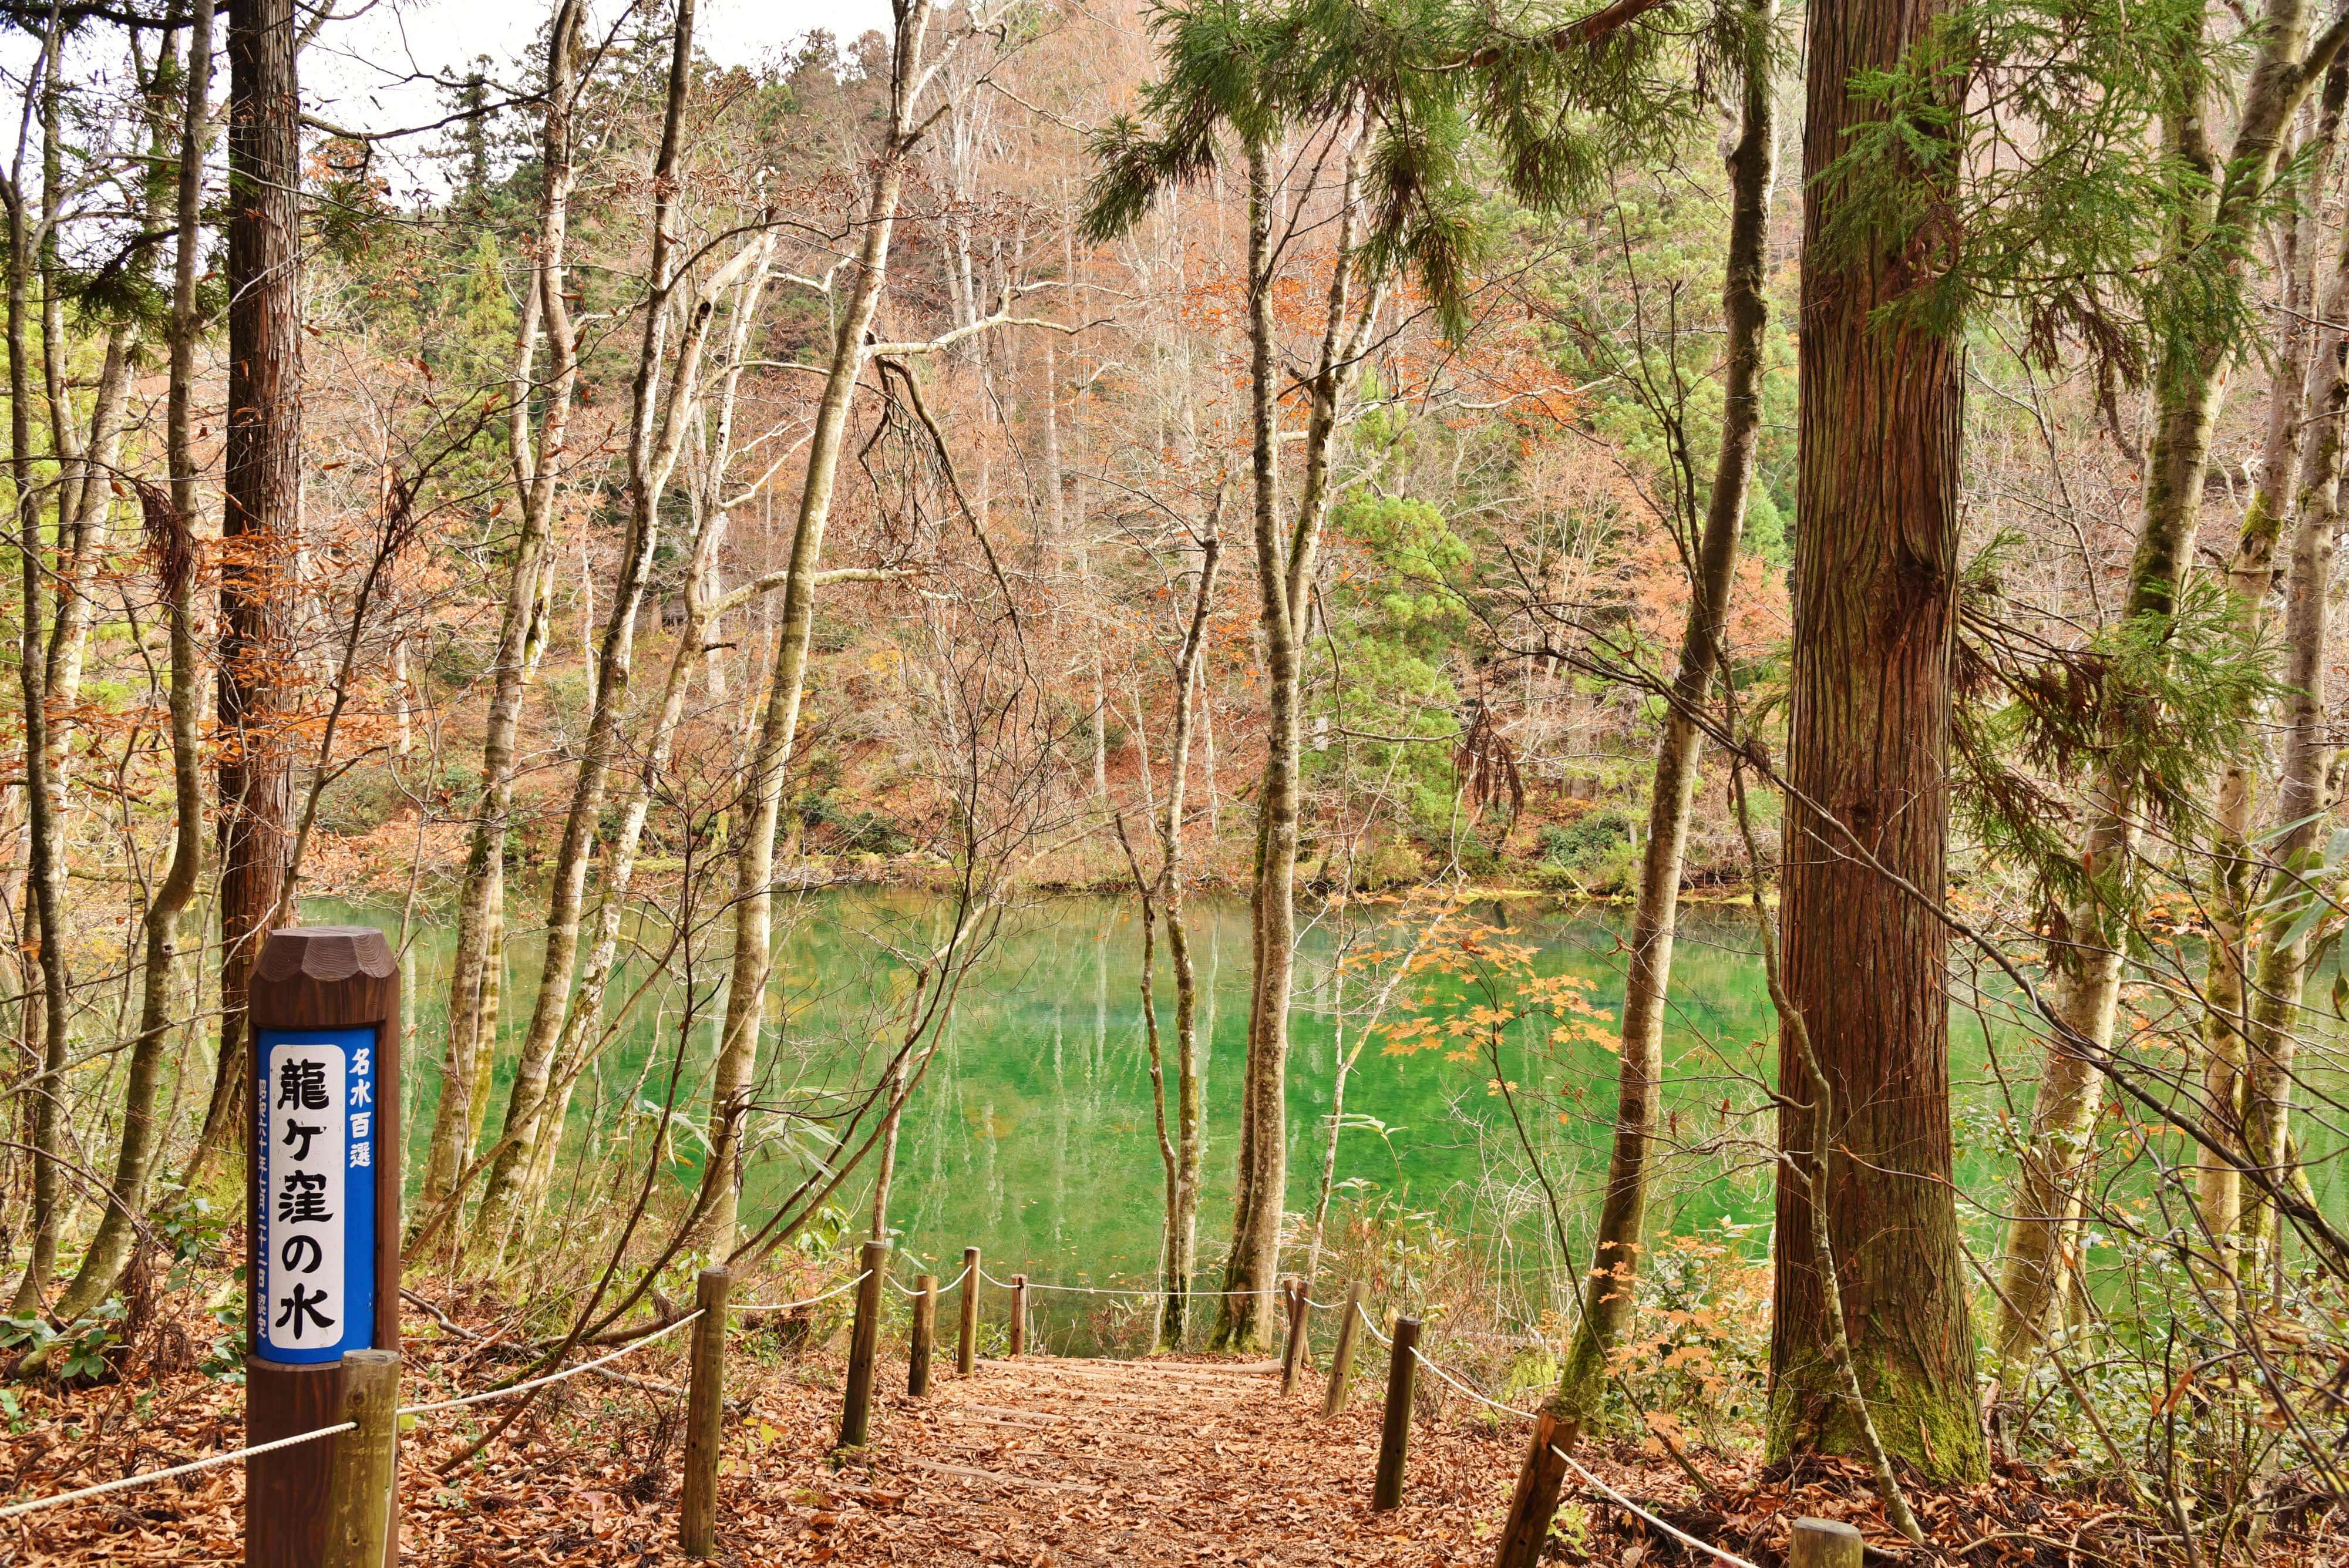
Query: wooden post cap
1824, 1543
326, 953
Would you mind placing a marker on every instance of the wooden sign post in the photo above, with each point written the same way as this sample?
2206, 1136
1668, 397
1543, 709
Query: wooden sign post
321, 1217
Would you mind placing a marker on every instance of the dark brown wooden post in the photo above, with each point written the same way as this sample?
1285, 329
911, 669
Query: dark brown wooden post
967, 1350
1394, 1437
1824, 1543
1536, 1499
925, 1329
1341, 1360
323, 994
856, 1410
1293, 1355
366, 1477
705, 1413
1019, 1314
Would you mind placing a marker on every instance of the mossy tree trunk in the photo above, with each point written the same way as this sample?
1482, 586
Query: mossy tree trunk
1875, 614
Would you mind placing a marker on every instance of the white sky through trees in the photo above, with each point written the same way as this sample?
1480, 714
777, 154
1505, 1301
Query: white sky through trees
375, 71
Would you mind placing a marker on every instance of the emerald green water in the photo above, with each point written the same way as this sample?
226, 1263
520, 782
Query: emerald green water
1032, 1135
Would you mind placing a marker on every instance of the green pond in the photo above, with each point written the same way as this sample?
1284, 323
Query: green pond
1033, 1137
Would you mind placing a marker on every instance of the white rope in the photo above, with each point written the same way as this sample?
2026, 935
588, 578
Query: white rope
1682, 1536
13, 1510
1437, 1368
508, 1393
915, 1289
1115, 1291
786, 1306
1364, 1313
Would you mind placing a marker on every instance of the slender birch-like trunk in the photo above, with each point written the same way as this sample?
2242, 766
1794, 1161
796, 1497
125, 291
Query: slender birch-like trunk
535, 1108
1178, 1127
754, 863
1285, 572
170, 538
472, 1024
2289, 914
44, 882
1609, 1292
2190, 384
656, 437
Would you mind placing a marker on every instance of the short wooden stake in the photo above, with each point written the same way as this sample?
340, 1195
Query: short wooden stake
705, 1408
967, 1352
1019, 1314
925, 1329
1824, 1543
1536, 1501
365, 1477
856, 1412
1394, 1435
1293, 1356
1341, 1360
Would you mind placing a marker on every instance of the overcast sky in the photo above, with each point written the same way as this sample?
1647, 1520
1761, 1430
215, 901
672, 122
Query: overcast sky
354, 75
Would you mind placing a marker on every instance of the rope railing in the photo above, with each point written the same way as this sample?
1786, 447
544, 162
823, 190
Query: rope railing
943, 1289
190, 1468
1120, 1290
1683, 1537
788, 1307
488, 1396
710, 1344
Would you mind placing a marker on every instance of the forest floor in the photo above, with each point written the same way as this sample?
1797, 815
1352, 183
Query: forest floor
1035, 1463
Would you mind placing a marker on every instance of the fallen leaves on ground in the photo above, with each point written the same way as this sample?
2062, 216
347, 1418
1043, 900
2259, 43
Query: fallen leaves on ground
1034, 1463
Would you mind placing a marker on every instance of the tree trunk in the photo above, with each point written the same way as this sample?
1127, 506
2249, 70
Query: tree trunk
778, 727
2190, 384
1285, 571
259, 523
45, 884
2290, 912
2252, 583
171, 538
1865, 958
1607, 1294
1178, 1133
471, 1026
656, 436
536, 1108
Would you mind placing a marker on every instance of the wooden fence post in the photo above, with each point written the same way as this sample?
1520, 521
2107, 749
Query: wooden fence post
364, 1477
925, 1329
1019, 1314
1394, 1435
1824, 1543
1293, 1355
855, 1416
1536, 1501
324, 1018
705, 1410
1341, 1360
966, 1353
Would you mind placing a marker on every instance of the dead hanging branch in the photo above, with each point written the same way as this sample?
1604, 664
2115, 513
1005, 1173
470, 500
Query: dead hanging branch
1485, 766
167, 536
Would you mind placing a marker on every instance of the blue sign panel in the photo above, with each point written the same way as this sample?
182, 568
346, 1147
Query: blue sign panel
314, 1139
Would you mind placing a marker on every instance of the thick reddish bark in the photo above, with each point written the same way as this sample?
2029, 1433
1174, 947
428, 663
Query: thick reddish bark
260, 515
1875, 612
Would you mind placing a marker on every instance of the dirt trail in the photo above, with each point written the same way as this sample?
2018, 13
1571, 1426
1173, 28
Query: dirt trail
1045, 1461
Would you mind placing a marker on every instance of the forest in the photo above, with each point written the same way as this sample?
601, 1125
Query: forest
1657, 682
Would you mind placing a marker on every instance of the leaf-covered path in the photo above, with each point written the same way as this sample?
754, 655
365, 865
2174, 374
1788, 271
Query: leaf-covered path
1047, 1460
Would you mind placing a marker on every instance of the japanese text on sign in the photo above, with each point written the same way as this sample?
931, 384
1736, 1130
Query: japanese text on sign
317, 1126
